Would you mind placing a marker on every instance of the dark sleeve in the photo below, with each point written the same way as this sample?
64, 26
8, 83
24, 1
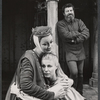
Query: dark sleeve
65, 32
28, 86
83, 30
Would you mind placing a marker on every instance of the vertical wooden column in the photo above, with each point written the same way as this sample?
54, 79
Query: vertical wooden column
52, 18
94, 79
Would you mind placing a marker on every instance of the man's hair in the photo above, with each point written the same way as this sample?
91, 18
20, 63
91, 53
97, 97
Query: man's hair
51, 57
67, 6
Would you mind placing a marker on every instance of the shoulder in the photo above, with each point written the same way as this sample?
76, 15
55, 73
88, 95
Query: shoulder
29, 52
78, 20
61, 23
30, 55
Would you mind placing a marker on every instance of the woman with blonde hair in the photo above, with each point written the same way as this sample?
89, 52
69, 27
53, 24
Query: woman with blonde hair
54, 75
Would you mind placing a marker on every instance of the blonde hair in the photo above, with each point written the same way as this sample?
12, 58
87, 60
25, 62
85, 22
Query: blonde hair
53, 57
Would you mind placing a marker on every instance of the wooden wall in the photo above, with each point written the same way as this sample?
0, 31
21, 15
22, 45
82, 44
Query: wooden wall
17, 25
17, 21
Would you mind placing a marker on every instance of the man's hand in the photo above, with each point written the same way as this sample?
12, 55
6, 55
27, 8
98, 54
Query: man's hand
79, 39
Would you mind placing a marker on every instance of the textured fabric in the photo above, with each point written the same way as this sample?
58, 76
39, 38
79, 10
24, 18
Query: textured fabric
14, 97
73, 35
29, 77
71, 93
42, 31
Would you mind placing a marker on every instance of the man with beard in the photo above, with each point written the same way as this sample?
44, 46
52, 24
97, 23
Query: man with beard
73, 32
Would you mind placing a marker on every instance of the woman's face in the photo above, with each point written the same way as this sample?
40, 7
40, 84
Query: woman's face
49, 68
46, 44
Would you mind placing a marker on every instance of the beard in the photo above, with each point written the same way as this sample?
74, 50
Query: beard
69, 17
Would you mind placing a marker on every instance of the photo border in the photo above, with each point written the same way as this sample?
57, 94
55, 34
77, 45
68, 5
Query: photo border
98, 49
1, 49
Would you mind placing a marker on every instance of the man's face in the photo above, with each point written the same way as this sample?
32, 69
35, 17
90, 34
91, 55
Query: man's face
49, 68
69, 14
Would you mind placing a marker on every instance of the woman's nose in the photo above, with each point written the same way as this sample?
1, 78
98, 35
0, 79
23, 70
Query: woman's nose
49, 45
46, 69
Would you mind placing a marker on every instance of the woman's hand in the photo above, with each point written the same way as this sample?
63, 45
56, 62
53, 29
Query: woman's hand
58, 89
66, 82
14, 89
70, 81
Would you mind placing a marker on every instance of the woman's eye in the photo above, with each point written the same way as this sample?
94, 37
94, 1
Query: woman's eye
43, 66
51, 41
44, 44
49, 66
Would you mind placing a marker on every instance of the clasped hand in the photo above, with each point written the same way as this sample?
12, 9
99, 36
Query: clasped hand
59, 89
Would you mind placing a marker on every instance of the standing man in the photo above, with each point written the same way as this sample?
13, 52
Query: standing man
73, 32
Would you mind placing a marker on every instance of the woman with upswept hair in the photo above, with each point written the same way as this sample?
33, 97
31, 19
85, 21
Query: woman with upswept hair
29, 77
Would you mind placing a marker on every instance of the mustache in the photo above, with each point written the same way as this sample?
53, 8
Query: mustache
70, 14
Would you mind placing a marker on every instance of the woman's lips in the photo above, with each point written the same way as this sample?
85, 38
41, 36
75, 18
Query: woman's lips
46, 74
49, 49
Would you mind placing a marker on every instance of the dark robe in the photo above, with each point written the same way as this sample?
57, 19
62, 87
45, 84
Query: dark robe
75, 31
29, 77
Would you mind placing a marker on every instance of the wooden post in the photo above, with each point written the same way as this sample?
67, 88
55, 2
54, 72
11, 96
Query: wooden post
94, 79
52, 18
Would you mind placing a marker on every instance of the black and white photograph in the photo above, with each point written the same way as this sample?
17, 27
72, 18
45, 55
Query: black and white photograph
49, 50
